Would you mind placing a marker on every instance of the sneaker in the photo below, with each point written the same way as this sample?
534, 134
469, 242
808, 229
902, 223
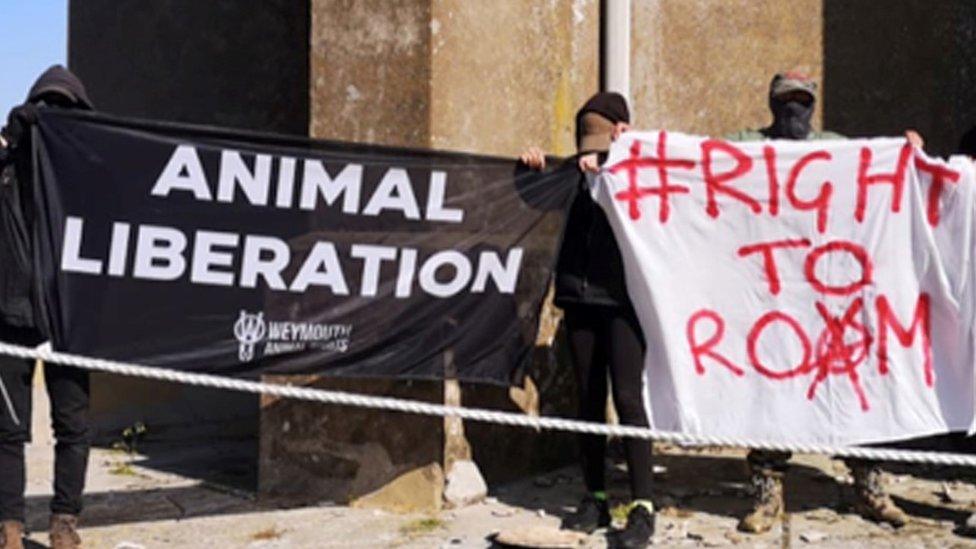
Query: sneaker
590, 514
639, 530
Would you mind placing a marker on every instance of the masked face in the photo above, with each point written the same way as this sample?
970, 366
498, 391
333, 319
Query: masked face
791, 117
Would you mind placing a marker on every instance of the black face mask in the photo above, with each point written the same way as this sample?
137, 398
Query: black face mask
791, 119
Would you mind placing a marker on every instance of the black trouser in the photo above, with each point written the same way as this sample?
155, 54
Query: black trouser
68, 391
602, 339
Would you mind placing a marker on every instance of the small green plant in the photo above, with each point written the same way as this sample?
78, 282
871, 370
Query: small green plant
123, 469
131, 437
422, 526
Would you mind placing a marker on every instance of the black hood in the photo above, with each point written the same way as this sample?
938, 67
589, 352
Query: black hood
967, 144
59, 80
610, 105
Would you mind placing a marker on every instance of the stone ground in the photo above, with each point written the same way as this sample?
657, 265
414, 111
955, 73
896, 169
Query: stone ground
156, 498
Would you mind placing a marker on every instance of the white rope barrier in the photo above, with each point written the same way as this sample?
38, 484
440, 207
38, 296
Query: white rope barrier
472, 414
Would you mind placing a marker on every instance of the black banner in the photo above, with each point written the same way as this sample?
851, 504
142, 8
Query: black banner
239, 253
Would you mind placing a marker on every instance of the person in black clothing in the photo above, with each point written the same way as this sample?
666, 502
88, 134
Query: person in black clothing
67, 388
604, 335
967, 143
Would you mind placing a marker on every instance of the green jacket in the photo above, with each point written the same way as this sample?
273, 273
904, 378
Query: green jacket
762, 134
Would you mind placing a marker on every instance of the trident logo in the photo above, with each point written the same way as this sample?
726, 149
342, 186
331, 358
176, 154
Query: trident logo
249, 329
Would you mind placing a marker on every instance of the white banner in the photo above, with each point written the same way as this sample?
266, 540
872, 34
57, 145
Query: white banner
817, 292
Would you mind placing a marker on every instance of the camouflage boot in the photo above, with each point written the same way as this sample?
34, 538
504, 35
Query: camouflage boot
767, 486
64, 532
11, 535
870, 499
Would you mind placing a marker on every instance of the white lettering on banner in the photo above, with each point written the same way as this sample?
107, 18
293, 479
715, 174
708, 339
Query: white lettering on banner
372, 257
286, 182
71, 259
205, 258
235, 174
435, 201
321, 268
460, 266
256, 263
408, 267
505, 276
183, 172
394, 193
120, 246
229, 259
159, 253
251, 175
794, 291
316, 182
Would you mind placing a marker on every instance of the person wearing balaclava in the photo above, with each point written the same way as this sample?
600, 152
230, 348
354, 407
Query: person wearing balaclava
67, 387
603, 332
792, 100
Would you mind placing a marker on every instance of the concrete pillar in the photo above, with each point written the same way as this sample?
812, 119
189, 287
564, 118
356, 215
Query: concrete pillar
448, 74
508, 74
452, 74
369, 71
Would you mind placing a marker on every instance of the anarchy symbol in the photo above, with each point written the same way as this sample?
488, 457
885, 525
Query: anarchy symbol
835, 354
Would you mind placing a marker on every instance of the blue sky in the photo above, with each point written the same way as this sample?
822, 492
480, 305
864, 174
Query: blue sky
33, 36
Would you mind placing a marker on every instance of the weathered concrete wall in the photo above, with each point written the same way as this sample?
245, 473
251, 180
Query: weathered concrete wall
448, 74
895, 65
508, 74
507, 453
370, 71
312, 451
704, 67
452, 74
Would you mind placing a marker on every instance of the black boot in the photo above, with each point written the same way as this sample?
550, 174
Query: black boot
639, 530
592, 513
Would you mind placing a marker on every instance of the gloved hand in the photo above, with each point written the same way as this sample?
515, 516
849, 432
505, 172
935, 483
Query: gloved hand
19, 121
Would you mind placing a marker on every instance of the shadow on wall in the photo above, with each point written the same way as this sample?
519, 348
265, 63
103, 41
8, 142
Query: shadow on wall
231, 63
889, 66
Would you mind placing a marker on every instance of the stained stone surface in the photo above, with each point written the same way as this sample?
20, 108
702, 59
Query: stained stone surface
704, 67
